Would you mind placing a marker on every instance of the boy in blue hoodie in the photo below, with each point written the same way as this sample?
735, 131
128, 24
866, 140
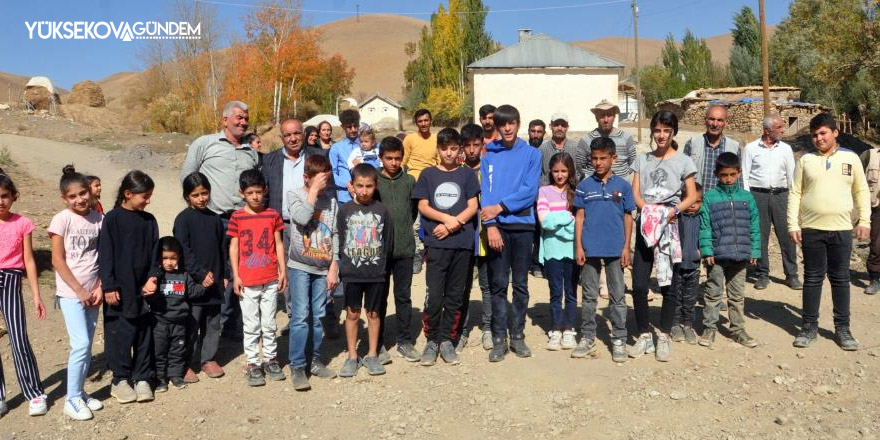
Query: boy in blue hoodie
511, 172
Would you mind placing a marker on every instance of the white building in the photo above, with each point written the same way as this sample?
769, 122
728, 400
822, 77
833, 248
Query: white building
381, 112
540, 76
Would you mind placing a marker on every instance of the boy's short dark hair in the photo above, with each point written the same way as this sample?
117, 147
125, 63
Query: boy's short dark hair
471, 132
505, 114
390, 144
364, 170
316, 163
349, 117
486, 109
421, 112
536, 122
605, 144
251, 177
697, 188
823, 120
727, 160
448, 136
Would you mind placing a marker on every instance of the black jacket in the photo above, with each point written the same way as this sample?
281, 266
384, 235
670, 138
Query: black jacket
202, 236
126, 257
173, 293
273, 172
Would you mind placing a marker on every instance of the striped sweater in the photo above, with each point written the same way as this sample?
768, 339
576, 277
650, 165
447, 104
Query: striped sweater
557, 224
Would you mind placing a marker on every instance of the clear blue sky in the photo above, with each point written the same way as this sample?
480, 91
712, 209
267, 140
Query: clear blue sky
69, 61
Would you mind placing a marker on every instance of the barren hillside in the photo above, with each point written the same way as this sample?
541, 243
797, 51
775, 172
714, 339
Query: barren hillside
622, 50
116, 86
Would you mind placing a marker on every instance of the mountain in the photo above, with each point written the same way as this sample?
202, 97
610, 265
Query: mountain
622, 49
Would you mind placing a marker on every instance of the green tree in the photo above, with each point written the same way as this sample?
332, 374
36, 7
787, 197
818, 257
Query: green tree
745, 55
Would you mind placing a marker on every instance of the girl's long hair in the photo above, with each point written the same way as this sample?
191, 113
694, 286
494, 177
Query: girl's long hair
566, 160
135, 182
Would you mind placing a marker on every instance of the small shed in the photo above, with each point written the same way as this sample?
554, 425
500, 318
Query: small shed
541, 75
381, 112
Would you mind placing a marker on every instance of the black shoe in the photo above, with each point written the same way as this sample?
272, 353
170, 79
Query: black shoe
806, 336
536, 272
499, 350
178, 382
255, 376
845, 339
519, 347
762, 283
273, 370
300, 380
794, 283
161, 386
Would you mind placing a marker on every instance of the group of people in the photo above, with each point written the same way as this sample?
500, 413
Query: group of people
336, 228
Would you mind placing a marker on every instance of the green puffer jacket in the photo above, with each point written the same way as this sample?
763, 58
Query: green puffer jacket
730, 228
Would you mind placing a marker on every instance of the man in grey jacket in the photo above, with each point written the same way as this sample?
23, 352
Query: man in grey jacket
704, 149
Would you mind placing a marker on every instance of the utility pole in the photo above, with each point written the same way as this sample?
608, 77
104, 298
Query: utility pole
765, 59
635, 8
358, 11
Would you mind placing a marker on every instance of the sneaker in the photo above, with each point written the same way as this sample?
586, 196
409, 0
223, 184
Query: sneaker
178, 382
3, 408
123, 392
349, 368
584, 348
794, 283
211, 369
144, 391
161, 386
690, 336
845, 339
384, 356
447, 352
37, 406
374, 365
618, 351
519, 347
190, 376
273, 370
677, 333
320, 370
555, 342
708, 337
255, 376
536, 271
569, 339
92, 403
806, 336
299, 378
745, 340
644, 345
487, 340
762, 282
429, 355
873, 288
462, 343
77, 409
408, 352
664, 348
498, 351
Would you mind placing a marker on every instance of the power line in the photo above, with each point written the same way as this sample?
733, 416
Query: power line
483, 11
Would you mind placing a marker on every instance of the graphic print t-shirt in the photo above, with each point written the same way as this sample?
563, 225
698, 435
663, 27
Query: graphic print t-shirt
448, 192
365, 235
80, 234
257, 261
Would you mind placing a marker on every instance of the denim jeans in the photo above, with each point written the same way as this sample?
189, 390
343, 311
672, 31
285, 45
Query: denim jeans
562, 277
590, 292
515, 257
732, 275
80, 322
308, 297
826, 252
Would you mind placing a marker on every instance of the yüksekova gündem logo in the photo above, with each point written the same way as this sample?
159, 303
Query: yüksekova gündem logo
123, 30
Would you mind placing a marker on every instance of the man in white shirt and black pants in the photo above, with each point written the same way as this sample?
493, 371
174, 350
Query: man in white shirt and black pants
768, 170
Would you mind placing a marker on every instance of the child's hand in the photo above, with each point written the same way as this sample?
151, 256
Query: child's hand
97, 298
112, 297
440, 232
319, 182
862, 233
495, 240
795, 237
39, 307
282, 280
356, 161
672, 217
753, 262
236, 287
452, 224
209, 280
490, 212
332, 280
580, 255
625, 259
710, 261
150, 286
84, 297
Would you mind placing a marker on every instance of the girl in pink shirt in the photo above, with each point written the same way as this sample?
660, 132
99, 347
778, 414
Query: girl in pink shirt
17, 258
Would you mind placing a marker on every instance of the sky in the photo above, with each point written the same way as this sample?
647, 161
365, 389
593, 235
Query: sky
69, 61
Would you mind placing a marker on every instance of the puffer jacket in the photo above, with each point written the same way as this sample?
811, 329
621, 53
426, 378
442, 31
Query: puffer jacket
730, 228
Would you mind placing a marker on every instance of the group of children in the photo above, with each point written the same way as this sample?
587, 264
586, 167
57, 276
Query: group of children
476, 209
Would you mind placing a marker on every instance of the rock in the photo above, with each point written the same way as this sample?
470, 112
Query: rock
677, 395
822, 390
781, 420
778, 380
783, 367
654, 393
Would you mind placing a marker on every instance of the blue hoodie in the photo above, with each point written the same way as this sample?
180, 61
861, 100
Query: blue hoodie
511, 177
339, 154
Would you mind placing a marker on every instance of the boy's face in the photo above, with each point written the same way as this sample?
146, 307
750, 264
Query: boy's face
391, 161
449, 154
602, 161
696, 206
727, 176
473, 148
367, 143
508, 131
363, 189
351, 130
253, 196
824, 139
169, 261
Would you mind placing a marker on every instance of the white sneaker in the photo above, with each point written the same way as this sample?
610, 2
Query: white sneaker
644, 345
76, 409
555, 342
37, 406
3, 408
569, 339
143, 391
92, 403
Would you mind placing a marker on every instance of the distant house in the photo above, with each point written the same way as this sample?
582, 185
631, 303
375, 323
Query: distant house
381, 112
541, 75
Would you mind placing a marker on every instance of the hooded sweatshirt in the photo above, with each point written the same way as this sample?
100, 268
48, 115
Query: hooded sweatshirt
510, 177
396, 194
314, 241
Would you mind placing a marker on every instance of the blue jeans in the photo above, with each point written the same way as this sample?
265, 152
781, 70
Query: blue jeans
80, 322
562, 276
515, 257
308, 299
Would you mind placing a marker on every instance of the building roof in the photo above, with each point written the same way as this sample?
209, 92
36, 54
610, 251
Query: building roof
544, 51
382, 97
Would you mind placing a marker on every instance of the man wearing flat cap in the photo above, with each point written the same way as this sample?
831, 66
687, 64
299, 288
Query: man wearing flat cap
559, 143
606, 112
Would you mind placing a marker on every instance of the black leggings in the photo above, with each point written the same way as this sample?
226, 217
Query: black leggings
642, 264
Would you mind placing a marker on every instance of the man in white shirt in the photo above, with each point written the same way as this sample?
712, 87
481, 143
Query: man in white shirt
768, 171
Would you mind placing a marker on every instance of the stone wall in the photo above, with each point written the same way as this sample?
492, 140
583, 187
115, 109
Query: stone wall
745, 117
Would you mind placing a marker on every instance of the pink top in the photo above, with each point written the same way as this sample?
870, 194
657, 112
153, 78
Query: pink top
80, 234
12, 233
550, 199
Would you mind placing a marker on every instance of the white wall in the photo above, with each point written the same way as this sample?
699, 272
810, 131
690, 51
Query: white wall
377, 110
538, 93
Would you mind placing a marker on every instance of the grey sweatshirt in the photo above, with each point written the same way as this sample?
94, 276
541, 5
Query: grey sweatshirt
314, 242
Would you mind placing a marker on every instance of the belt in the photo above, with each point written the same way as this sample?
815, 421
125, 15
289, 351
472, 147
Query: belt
772, 191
